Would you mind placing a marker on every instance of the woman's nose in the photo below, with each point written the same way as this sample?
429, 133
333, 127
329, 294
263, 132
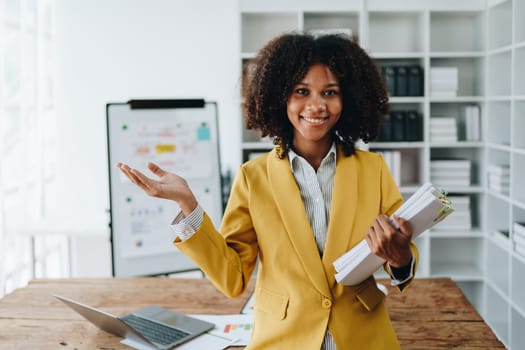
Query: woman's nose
316, 102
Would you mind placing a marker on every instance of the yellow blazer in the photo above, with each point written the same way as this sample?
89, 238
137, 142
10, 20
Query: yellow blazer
296, 295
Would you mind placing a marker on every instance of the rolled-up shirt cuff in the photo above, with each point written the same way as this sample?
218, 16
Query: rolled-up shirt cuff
184, 227
403, 274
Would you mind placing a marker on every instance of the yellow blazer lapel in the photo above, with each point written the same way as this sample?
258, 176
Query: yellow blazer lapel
295, 220
342, 212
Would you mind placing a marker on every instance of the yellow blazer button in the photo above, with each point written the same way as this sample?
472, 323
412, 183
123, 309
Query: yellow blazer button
327, 303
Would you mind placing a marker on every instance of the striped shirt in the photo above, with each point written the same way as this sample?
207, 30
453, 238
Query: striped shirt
316, 193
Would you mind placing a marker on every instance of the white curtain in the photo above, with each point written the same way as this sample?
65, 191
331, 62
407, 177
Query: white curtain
27, 130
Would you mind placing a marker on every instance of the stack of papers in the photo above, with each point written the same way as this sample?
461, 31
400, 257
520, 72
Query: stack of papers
422, 210
444, 82
443, 129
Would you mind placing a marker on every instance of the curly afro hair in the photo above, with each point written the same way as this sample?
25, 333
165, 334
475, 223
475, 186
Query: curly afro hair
269, 78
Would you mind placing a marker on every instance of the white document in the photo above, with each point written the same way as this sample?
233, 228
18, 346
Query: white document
424, 209
248, 307
236, 327
206, 341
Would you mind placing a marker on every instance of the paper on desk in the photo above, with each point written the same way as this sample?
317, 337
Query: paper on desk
248, 307
236, 327
206, 341
424, 209
136, 345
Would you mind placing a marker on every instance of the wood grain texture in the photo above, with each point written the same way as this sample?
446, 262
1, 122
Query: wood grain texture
430, 314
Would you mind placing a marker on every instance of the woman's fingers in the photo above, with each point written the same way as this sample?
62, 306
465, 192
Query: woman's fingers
385, 240
137, 177
155, 169
404, 227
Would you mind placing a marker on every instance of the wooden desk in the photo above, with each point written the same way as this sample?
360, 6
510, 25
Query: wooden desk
431, 314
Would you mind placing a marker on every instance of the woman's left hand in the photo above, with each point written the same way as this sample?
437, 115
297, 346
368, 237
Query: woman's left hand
390, 243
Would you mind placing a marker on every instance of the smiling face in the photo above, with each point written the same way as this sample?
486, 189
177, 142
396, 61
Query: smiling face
313, 108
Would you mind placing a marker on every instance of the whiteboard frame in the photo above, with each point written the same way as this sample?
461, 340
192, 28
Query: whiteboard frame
164, 263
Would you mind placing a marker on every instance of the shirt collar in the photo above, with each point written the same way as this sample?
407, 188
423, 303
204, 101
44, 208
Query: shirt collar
292, 156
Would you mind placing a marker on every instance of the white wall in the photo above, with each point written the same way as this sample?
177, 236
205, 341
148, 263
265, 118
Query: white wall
115, 50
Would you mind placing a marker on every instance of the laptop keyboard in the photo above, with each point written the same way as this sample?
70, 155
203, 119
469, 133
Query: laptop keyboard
153, 331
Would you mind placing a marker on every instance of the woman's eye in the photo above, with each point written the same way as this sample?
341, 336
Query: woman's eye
331, 92
301, 91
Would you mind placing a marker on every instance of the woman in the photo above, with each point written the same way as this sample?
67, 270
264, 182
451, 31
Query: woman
305, 203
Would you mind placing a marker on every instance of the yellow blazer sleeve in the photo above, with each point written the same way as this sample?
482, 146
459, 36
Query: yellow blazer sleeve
227, 258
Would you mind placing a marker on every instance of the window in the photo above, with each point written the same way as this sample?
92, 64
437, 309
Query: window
28, 137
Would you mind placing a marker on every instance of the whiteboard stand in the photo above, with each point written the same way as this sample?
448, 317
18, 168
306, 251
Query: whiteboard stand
181, 136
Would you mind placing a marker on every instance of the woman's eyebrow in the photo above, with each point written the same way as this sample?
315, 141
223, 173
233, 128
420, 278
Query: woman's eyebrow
326, 85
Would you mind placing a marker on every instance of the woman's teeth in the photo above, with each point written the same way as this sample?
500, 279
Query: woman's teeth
315, 120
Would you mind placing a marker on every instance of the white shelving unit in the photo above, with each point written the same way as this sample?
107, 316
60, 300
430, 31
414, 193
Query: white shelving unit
505, 268
485, 40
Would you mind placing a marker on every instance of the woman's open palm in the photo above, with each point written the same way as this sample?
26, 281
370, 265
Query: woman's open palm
167, 186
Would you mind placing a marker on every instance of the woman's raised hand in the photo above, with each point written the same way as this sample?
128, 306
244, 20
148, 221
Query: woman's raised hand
168, 186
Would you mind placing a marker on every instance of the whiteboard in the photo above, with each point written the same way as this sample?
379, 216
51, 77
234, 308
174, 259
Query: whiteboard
181, 136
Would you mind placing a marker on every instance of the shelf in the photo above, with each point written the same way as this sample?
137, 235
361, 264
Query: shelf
494, 3
456, 31
499, 25
517, 171
497, 291
498, 238
502, 98
457, 271
459, 258
498, 195
409, 188
397, 55
500, 50
474, 233
346, 21
518, 139
258, 28
470, 73
499, 207
458, 144
498, 273
517, 292
497, 313
518, 204
517, 327
498, 186
473, 290
519, 23
499, 147
519, 71
498, 122
458, 54
520, 151
499, 74
477, 38
396, 32
458, 99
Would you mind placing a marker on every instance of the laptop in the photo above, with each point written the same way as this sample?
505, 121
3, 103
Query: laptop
152, 326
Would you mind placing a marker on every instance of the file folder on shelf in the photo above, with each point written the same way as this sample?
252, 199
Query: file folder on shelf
424, 209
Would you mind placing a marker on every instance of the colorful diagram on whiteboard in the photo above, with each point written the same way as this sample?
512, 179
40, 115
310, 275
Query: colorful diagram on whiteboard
149, 231
182, 148
175, 148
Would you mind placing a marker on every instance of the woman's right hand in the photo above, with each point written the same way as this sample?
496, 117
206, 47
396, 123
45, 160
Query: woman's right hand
168, 186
